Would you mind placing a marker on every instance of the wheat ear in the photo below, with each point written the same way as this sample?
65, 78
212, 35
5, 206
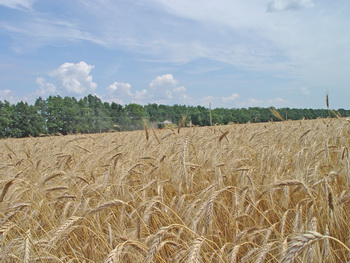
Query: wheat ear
115, 255
4, 191
264, 252
326, 243
233, 254
157, 241
210, 205
62, 231
146, 129
5, 228
27, 247
155, 135
108, 204
223, 136
194, 255
299, 243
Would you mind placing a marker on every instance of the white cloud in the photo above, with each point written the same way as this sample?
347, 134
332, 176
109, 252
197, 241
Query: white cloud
68, 79
179, 89
283, 5
75, 79
141, 95
233, 97
166, 81
45, 88
165, 90
17, 4
120, 89
122, 93
162, 90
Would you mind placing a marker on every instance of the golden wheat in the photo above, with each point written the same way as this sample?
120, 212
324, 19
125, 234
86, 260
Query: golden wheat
237, 193
299, 243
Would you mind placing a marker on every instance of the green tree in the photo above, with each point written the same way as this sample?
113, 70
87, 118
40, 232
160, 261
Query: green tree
153, 112
118, 116
54, 114
5, 118
26, 121
135, 114
101, 120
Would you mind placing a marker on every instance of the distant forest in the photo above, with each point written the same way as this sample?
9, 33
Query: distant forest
64, 115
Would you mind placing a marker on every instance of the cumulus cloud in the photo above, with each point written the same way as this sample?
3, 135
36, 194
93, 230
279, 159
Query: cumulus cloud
165, 81
69, 79
162, 90
122, 93
283, 5
75, 78
120, 89
165, 89
45, 88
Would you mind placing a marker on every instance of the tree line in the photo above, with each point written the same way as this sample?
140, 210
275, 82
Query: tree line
64, 115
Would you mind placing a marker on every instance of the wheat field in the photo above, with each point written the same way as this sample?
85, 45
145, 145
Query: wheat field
270, 192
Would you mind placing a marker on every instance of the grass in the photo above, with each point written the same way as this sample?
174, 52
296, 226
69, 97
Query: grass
266, 192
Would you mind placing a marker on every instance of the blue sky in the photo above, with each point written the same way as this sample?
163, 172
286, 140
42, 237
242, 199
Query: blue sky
230, 53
